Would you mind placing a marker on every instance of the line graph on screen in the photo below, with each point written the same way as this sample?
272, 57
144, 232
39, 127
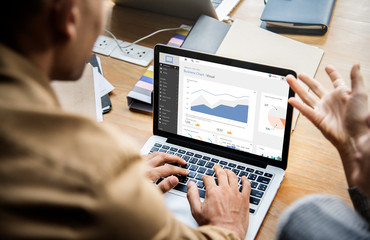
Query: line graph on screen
222, 105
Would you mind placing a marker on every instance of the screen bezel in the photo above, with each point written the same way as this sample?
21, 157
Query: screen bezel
239, 155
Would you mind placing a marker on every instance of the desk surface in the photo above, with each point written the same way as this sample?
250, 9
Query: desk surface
314, 164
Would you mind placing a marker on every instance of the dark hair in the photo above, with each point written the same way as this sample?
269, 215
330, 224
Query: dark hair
15, 15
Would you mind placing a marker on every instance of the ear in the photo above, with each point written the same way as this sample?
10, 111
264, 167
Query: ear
64, 19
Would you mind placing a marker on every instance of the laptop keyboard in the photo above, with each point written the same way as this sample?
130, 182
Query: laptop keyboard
199, 165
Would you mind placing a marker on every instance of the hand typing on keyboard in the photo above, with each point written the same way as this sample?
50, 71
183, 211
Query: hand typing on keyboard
162, 165
224, 205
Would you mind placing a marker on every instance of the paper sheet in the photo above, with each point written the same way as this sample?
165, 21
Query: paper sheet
98, 105
84, 95
77, 96
103, 86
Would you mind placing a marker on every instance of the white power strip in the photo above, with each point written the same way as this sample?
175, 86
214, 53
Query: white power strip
134, 53
105, 45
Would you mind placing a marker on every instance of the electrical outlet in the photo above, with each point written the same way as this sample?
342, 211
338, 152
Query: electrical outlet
133, 53
105, 45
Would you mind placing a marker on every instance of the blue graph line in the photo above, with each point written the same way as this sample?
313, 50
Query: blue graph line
221, 94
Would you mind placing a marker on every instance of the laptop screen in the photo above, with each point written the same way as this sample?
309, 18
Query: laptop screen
228, 103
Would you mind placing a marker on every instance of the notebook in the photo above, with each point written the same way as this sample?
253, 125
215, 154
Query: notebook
297, 16
190, 9
214, 110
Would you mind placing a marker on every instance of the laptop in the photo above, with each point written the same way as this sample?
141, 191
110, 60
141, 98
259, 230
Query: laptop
190, 9
212, 110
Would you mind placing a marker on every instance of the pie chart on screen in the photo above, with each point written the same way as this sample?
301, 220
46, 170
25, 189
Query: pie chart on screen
276, 117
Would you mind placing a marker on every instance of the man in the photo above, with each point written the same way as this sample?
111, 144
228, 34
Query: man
343, 117
63, 176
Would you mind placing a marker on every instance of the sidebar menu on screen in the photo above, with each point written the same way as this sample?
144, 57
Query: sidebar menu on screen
168, 97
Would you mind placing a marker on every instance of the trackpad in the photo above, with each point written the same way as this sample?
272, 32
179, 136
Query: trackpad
180, 208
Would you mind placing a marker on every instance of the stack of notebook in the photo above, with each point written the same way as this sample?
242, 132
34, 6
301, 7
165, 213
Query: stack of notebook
140, 97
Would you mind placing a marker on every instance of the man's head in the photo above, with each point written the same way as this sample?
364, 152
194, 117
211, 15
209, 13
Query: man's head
56, 35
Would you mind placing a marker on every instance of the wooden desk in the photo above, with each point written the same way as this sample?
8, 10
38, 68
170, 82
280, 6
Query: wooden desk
314, 164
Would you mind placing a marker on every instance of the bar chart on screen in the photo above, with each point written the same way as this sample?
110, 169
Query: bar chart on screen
269, 152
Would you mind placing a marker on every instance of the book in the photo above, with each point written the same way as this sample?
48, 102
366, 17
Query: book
298, 16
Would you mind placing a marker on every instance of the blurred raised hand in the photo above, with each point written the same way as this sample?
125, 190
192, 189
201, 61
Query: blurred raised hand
340, 114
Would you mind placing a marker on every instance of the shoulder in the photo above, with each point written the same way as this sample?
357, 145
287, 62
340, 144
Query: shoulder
56, 167
68, 141
321, 217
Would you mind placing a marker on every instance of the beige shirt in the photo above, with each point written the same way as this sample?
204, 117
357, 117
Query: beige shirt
63, 176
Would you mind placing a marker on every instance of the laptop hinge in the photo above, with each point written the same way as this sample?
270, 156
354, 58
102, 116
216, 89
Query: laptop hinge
218, 152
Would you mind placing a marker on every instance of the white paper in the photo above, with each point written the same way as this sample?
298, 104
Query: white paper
78, 96
103, 86
99, 110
